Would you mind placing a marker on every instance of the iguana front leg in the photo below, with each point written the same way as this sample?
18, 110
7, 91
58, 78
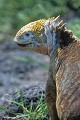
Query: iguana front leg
51, 85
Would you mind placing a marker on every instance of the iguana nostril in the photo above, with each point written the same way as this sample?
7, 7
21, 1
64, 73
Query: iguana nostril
15, 39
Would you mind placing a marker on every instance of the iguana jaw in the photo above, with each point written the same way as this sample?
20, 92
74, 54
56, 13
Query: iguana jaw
33, 46
21, 43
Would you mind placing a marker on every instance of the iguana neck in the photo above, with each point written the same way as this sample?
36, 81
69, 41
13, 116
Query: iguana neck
65, 39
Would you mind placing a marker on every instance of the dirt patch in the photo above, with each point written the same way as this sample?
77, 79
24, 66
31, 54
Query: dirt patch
20, 68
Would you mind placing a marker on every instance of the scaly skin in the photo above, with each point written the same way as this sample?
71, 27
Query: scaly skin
52, 38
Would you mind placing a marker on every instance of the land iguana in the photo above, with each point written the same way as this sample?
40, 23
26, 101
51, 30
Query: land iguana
51, 37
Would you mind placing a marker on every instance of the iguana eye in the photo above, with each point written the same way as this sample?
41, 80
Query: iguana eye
27, 34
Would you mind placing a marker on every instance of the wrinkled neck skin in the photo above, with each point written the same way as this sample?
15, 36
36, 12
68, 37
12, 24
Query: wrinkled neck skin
64, 38
53, 53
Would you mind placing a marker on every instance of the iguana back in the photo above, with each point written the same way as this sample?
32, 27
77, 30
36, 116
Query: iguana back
68, 83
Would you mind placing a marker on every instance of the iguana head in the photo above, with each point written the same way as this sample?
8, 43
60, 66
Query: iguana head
32, 36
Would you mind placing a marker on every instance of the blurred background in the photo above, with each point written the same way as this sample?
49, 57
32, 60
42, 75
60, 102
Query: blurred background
20, 68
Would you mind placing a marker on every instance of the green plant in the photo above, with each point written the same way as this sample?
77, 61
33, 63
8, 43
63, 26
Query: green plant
40, 112
75, 4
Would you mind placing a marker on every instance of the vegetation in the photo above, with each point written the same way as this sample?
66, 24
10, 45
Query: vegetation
38, 113
16, 13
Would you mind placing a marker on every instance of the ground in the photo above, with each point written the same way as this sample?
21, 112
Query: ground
20, 68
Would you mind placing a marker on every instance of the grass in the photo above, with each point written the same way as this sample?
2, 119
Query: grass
39, 113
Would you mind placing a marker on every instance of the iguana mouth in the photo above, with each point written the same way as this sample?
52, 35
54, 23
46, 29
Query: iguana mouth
23, 45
